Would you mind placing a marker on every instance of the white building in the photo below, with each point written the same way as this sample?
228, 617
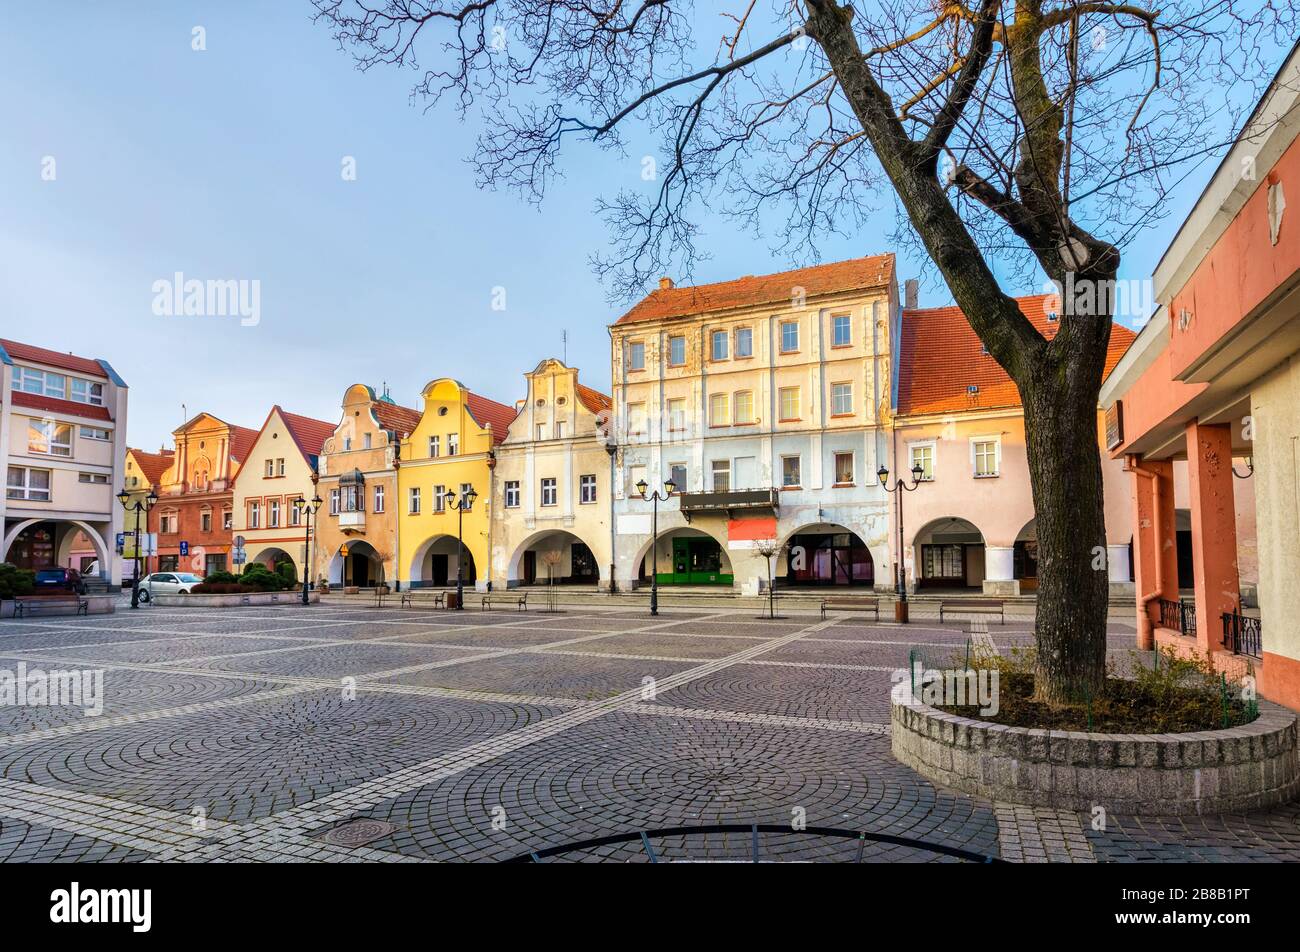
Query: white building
63, 430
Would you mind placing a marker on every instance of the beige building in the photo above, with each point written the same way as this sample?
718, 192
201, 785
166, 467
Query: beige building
358, 523
764, 399
553, 509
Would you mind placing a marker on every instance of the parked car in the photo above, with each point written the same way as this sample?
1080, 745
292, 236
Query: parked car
167, 583
55, 579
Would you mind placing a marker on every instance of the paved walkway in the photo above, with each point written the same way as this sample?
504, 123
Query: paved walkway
342, 733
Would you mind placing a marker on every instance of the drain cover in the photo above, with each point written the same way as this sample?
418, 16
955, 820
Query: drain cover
356, 833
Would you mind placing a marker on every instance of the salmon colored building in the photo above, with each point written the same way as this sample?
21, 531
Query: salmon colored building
1213, 383
970, 523
144, 472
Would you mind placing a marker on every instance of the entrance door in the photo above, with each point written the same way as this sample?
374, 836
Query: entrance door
530, 567
438, 569
360, 570
584, 564
681, 573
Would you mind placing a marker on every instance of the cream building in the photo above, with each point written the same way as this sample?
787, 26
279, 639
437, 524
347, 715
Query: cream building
764, 400
553, 509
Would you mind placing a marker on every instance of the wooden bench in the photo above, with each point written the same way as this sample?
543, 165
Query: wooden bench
23, 606
976, 606
521, 601
409, 597
858, 604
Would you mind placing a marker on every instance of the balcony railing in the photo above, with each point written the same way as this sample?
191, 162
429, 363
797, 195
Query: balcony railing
1180, 616
1242, 635
743, 499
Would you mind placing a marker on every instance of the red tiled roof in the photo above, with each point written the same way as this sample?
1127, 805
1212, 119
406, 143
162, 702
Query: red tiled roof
153, 465
54, 405
398, 419
594, 400
241, 441
940, 356
52, 358
485, 411
666, 303
309, 434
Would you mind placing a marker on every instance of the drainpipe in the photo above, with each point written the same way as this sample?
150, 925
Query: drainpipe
1145, 627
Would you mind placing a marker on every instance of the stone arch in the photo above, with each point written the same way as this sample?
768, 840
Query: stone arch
102, 548
434, 562
833, 554
642, 563
575, 566
948, 552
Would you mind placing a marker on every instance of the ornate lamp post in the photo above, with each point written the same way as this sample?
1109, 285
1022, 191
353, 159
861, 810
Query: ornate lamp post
138, 507
900, 487
670, 487
306, 510
463, 503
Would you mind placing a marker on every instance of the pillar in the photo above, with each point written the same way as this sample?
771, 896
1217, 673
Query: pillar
1155, 547
1214, 530
1000, 570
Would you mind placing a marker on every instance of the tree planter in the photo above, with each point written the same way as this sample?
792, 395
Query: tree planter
1222, 771
234, 600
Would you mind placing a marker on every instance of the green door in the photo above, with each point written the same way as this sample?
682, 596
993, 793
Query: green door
681, 574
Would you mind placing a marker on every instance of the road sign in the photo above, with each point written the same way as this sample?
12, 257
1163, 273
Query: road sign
239, 542
185, 548
238, 556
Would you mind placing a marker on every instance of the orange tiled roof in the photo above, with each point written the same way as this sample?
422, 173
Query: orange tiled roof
485, 411
52, 358
398, 419
153, 465
594, 400
940, 356
309, 434
241, 442
668, 303
54, 405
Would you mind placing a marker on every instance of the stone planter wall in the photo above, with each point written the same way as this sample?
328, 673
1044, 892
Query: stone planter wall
95, 605
233, 601
1241, 768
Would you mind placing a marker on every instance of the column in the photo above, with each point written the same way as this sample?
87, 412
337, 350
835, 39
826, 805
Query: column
1155, 548
1000, 570
1214, 529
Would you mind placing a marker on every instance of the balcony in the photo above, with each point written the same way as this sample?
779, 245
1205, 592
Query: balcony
739, 501
352, 521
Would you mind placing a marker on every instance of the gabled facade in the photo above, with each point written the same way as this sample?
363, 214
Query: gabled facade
552, 506
281, 467
144, 472
63, 435
765, 400
358, 523
451, 449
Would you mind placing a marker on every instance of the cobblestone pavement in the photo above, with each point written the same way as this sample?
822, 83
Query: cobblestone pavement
341, 733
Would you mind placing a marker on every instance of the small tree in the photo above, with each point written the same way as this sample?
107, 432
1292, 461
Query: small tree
552, 559
767, 549
15, 581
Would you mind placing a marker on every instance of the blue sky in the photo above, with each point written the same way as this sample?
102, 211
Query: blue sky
225, 164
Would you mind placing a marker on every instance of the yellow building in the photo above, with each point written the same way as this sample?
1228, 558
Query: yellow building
452, 449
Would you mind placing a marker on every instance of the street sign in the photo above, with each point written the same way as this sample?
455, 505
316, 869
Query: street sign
238, 556
239, 542
185, 548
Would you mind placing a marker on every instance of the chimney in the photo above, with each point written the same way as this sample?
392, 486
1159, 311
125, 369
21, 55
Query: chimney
665, 283
910, 288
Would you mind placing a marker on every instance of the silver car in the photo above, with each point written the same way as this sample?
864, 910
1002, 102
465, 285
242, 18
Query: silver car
167, 583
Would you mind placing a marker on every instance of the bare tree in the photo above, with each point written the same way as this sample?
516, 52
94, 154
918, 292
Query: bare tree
767, 549
1030, 137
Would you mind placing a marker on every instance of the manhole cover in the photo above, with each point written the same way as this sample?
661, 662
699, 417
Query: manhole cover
356, 833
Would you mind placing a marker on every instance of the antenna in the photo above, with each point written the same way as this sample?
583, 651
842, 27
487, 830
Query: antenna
564, 335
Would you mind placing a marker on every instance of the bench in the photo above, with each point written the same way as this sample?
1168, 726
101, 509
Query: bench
23, 606
439, 599
976, 606
521, 601
851, 605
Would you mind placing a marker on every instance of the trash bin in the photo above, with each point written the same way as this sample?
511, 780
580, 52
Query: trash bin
453, 601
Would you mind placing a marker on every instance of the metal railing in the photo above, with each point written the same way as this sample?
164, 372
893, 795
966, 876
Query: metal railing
1242, 635
1178, 615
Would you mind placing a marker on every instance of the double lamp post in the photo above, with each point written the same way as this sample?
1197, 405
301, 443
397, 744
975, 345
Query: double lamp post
900, 487
139, 507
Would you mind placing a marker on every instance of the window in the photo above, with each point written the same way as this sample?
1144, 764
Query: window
923, 455
587, 489
719, 405
295, 512
270, 468
95, 433
49, 438
790, 475
83, 391
541, 431
559, 429
841, 330
636, 355
844, 469
440, 498
347, 443
721, 475
453, 444
29, 484
789, 403
742, 407
548, 491
512, 494
205, 520
433, 447
719, 341
464, 489
273, 514
744, 342
351, 498
986, 457
634, 475
677, 473
676, 351
789, 337
413, 501
379, 499
365, 441
254, 515
334, 502
97, 479
39, 382
676, 415
227, 519
841, 399
636, 420
279, 466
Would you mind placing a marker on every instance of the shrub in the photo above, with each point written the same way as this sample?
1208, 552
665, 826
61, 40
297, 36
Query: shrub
287, 572
222, 588
222, 578
262, 579
15, 581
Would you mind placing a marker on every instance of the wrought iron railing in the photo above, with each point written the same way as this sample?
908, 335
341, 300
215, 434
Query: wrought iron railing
1189, 618
1180, 616
1242, 635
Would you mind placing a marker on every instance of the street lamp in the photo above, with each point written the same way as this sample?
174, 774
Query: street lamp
461, 505
305, 511
138, 507
670, 487
900, 487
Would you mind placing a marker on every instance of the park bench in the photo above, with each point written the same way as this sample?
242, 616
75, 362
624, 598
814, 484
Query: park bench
851, 604
439, 599
975, 606
521, 601
25, 605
